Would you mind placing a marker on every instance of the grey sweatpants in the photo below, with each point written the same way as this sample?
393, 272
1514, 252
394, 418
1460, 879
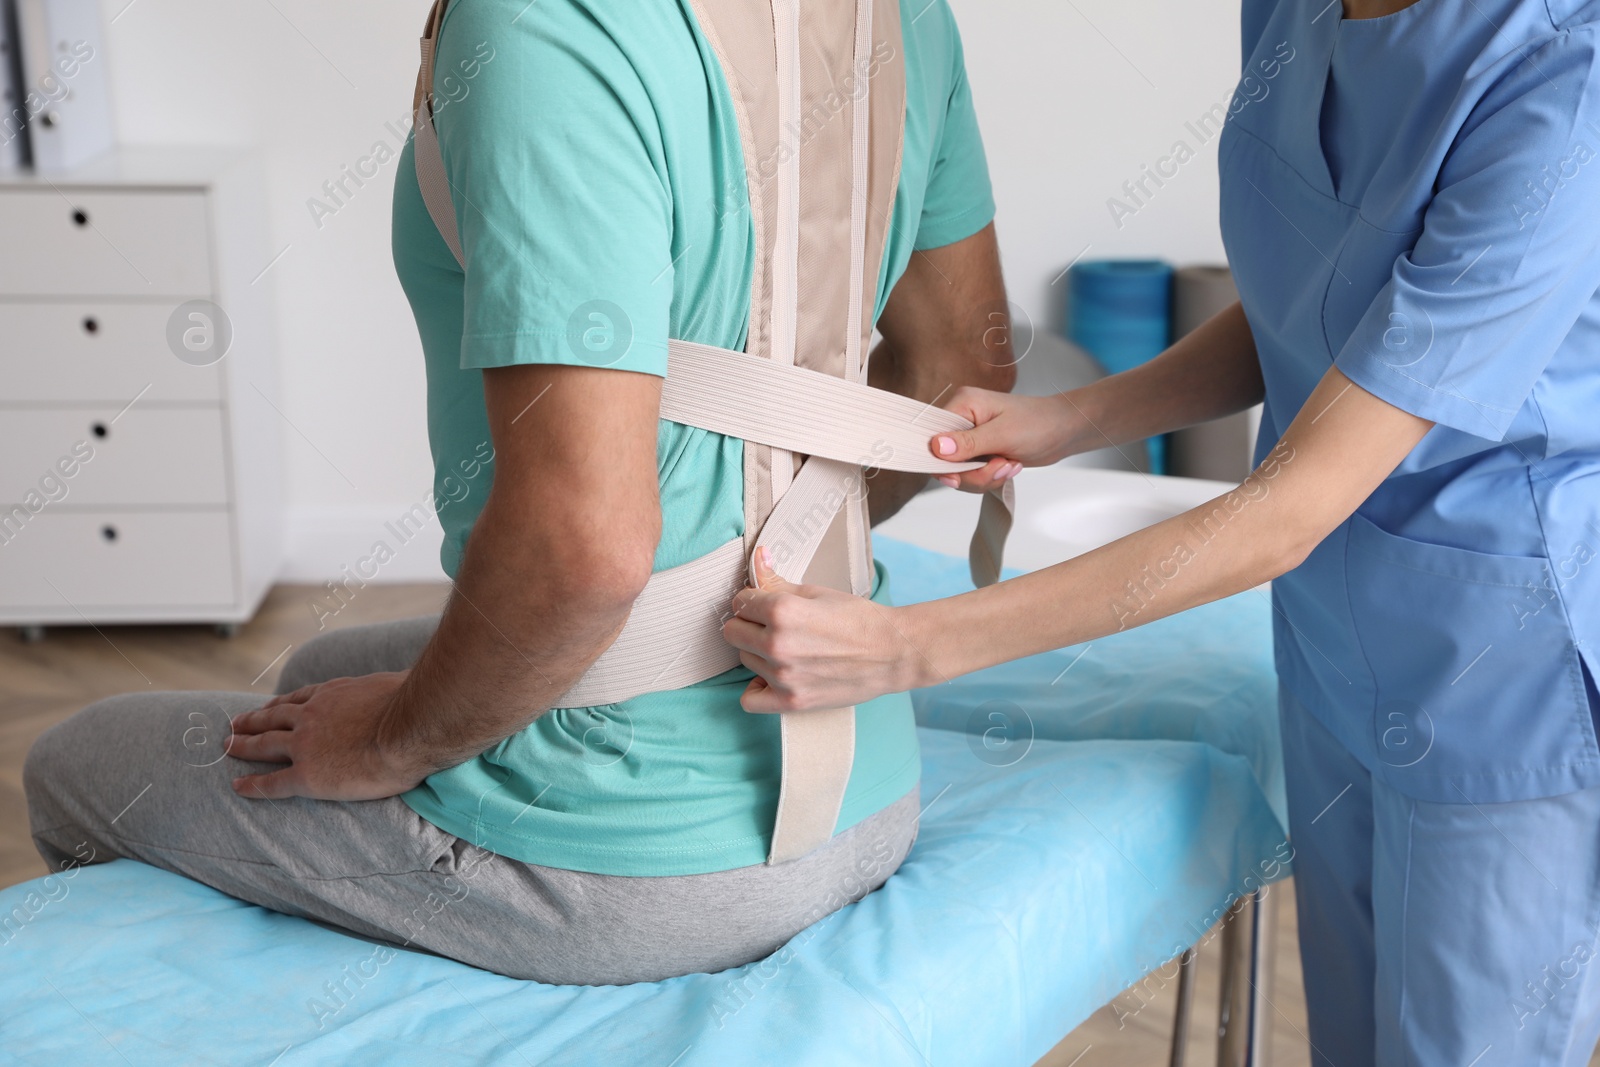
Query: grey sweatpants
142, 776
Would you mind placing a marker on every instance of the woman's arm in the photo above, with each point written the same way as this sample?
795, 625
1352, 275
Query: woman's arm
1210, 372
815, 648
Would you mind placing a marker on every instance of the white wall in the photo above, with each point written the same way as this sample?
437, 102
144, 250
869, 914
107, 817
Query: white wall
314, 86
1074, 97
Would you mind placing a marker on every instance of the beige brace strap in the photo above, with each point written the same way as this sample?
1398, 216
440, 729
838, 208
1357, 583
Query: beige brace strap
429, 160
664, 644
786, 407
803, 411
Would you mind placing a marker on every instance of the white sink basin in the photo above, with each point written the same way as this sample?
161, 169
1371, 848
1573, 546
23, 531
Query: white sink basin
1062, 511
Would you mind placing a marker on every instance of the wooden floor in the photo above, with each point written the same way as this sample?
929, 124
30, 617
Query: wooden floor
43, 683
1135, 1029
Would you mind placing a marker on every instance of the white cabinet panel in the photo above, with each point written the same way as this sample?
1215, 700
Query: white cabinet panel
59, 563
169, 456
136, 487
81, 242
103, 352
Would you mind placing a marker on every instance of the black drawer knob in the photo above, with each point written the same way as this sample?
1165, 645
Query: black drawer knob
91, 324
99, 429
80, 217
108, 532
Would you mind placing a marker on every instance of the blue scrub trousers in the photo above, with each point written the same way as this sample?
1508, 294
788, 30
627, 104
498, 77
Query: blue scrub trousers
1440, 935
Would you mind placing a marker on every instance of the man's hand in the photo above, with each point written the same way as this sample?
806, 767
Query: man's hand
332, 738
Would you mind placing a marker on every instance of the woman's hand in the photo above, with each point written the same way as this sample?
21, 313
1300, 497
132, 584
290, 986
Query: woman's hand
1017, 431
331, 737
813, 647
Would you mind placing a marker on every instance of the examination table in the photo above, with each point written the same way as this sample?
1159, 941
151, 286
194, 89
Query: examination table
1089, 814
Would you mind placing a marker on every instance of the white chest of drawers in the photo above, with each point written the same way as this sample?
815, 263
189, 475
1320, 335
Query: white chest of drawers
140, 480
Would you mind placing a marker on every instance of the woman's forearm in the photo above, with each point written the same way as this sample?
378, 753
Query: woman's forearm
820, 648
1228, 545
1207, 374
1341, 445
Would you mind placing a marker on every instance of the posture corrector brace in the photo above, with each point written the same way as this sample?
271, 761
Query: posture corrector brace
822, 183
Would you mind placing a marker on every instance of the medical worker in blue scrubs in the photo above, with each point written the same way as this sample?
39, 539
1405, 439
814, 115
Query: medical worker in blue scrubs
1412, 212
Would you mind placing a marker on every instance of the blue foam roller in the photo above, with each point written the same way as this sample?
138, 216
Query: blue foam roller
1120, 310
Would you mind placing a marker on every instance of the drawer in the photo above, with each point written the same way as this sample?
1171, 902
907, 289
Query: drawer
103, 243
171, 456
99, 352
114, 560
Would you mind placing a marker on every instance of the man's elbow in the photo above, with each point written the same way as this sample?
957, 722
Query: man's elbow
572, 556
606, 570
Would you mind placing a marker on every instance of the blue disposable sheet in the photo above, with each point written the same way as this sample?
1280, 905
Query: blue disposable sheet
1044, 881
1205, 675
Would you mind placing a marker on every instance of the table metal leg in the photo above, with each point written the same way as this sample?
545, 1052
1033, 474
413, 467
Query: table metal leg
1262, 954
1180, 1019
1245, 1011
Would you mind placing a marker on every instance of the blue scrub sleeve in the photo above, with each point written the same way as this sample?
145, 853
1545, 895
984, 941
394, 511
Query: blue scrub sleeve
551, 147
1508, 257
1254, 15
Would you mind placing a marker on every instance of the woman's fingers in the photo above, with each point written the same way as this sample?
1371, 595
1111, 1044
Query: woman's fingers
761, 603
744, 634
758, 614
982, 479
759, 698
988, 436
992, 440
757, 610
269, 747
767, 576
802, 643
757, 695
755, 605
959, 446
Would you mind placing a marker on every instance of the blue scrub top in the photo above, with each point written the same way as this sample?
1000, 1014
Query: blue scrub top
1416, 199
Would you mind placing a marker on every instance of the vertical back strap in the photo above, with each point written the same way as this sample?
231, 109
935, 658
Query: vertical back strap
819, 748
431, 180
987, 551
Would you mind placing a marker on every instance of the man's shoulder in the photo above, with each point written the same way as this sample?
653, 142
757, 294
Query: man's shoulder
631, 30
928, 28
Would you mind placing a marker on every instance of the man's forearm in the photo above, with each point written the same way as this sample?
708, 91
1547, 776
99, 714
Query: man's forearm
525, 620
945, 325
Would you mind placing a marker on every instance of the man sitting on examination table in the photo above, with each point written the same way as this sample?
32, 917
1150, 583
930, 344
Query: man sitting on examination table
416, 786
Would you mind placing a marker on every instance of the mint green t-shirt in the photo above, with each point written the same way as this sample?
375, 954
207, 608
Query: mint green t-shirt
599, 187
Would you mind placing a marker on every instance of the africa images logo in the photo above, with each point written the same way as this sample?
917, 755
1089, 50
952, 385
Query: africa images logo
599, 333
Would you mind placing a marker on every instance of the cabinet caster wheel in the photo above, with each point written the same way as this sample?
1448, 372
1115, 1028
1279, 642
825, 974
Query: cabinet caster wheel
226, 629
29, 635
